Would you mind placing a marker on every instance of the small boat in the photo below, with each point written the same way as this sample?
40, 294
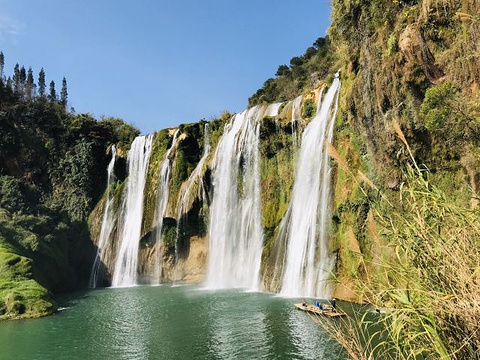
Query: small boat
315, 310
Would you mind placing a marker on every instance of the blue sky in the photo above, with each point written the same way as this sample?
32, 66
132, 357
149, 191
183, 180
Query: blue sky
157, 64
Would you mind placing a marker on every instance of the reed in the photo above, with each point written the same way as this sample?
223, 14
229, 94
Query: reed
430, 283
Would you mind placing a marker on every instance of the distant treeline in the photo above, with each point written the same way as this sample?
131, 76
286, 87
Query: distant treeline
22, 86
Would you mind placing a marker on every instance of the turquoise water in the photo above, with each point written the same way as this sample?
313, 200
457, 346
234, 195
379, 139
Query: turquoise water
168, 322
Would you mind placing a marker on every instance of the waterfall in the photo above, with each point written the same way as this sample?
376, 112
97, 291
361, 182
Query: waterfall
272, 109
235, 231
296, 115
107, 223
308, 263
163, 188
125, 272
193, 187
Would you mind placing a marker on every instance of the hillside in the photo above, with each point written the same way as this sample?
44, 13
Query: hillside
51, 164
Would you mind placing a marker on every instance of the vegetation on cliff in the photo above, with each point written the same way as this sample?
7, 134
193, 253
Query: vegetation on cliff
407, 234
304, 73
51, 164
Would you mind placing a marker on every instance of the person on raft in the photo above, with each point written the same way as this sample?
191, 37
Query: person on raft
333, 302
304, 303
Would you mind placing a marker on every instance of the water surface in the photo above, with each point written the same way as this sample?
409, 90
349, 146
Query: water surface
168, 322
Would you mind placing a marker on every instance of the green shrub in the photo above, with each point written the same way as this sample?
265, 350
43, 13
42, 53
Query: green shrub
309, 109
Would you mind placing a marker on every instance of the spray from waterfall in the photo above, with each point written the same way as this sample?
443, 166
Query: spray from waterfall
163, 189
107, 223
307, 263
125, 272
235, 231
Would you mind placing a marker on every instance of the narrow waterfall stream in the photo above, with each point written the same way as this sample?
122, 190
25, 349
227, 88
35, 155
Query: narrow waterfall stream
125, 272
162, 201
193, 186
235, 231
308, 263
192, 189
107, 223
296, 116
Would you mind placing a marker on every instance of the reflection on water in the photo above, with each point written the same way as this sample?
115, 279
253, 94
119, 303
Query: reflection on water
169, 323
305, 338
128, 326
230, 318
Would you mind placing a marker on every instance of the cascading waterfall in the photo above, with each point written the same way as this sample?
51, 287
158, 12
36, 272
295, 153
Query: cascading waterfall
107, 223
125, 272
272, 110
194, 186
235, 231
295, 117
308, 263
163, 187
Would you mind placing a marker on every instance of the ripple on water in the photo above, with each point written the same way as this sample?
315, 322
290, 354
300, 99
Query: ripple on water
169, 323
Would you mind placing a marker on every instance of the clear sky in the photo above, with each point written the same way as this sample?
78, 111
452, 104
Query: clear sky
157, 64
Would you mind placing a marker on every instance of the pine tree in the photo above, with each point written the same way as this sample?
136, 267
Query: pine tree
2, 65
9, 86
41, 83
64, 93
53, 94
30, 87
2, 81
23, 81
16, 79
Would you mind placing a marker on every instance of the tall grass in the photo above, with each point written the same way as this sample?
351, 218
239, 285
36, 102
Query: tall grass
428, 278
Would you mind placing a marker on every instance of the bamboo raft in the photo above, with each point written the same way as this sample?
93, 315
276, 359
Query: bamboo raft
315, 310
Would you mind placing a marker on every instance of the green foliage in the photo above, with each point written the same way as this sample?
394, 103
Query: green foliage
438, 107
16, 195
20, 295
303, 73
392, 45
453, 119
276, 174
52, 172
309, 109
73, 181
123, 132
169, 232
41, 83
52, 96
64, 93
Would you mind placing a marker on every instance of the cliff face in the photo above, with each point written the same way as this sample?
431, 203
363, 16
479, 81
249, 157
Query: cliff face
184, 245
411, 65
406, 63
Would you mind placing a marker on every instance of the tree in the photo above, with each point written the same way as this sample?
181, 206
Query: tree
64, 92
2, 65
296, 61
319, 43
311, 51
2, 82
30, 88
16, 79
53, 94
23, 81
41, 83
282, 70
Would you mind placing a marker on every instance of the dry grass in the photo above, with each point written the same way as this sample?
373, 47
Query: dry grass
430, 284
